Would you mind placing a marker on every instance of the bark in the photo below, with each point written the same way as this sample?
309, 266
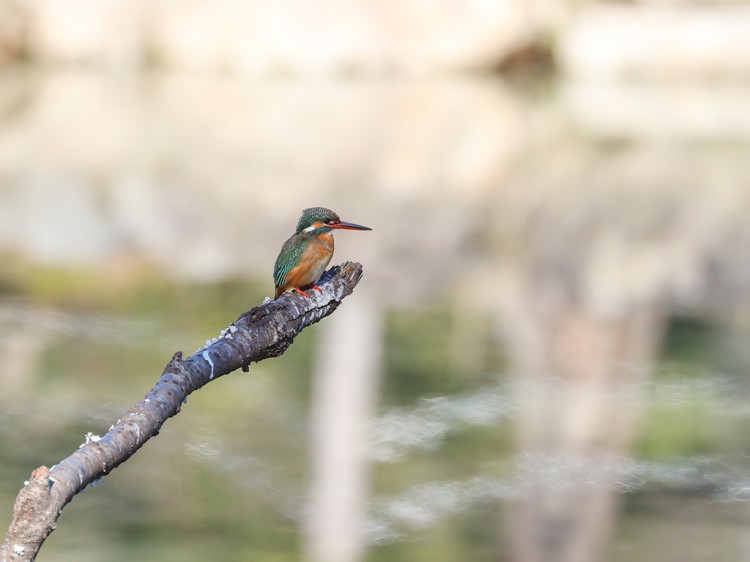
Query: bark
262, 332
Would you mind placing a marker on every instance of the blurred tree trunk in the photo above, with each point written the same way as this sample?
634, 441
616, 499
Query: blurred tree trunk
343, 403
597, 248
585, 282
578, 413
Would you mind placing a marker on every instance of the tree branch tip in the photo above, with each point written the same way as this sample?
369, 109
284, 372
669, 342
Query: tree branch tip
40, 478
39, 474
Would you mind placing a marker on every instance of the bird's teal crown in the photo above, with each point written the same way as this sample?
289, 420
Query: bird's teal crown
315, 214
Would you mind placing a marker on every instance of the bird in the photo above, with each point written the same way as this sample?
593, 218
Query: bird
304, 257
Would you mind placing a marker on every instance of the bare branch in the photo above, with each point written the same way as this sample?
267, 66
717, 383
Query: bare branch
262, 332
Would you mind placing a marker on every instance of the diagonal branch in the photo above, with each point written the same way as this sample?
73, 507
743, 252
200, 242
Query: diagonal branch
262, 332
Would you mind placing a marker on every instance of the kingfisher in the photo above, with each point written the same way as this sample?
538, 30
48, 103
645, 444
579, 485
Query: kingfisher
305, 256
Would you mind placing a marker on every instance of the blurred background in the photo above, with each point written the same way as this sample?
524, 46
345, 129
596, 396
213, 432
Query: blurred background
546, 359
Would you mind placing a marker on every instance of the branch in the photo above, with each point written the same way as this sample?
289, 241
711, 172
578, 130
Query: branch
262, 332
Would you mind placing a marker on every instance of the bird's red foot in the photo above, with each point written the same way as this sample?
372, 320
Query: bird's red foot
301, 292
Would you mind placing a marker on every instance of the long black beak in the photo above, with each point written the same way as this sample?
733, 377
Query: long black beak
349, 226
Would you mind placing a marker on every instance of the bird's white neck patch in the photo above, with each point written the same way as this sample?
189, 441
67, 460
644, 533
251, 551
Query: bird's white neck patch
314, 226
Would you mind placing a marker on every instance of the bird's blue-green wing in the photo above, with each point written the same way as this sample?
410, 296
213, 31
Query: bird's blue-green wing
290, 254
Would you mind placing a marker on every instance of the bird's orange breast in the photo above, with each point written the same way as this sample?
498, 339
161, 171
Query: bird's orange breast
312, 263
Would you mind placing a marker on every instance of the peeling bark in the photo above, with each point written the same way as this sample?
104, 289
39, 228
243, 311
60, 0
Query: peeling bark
262, 332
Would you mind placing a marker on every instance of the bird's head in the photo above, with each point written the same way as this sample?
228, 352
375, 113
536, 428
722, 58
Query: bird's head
319, 220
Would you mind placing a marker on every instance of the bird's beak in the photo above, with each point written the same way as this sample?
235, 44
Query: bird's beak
349, 226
